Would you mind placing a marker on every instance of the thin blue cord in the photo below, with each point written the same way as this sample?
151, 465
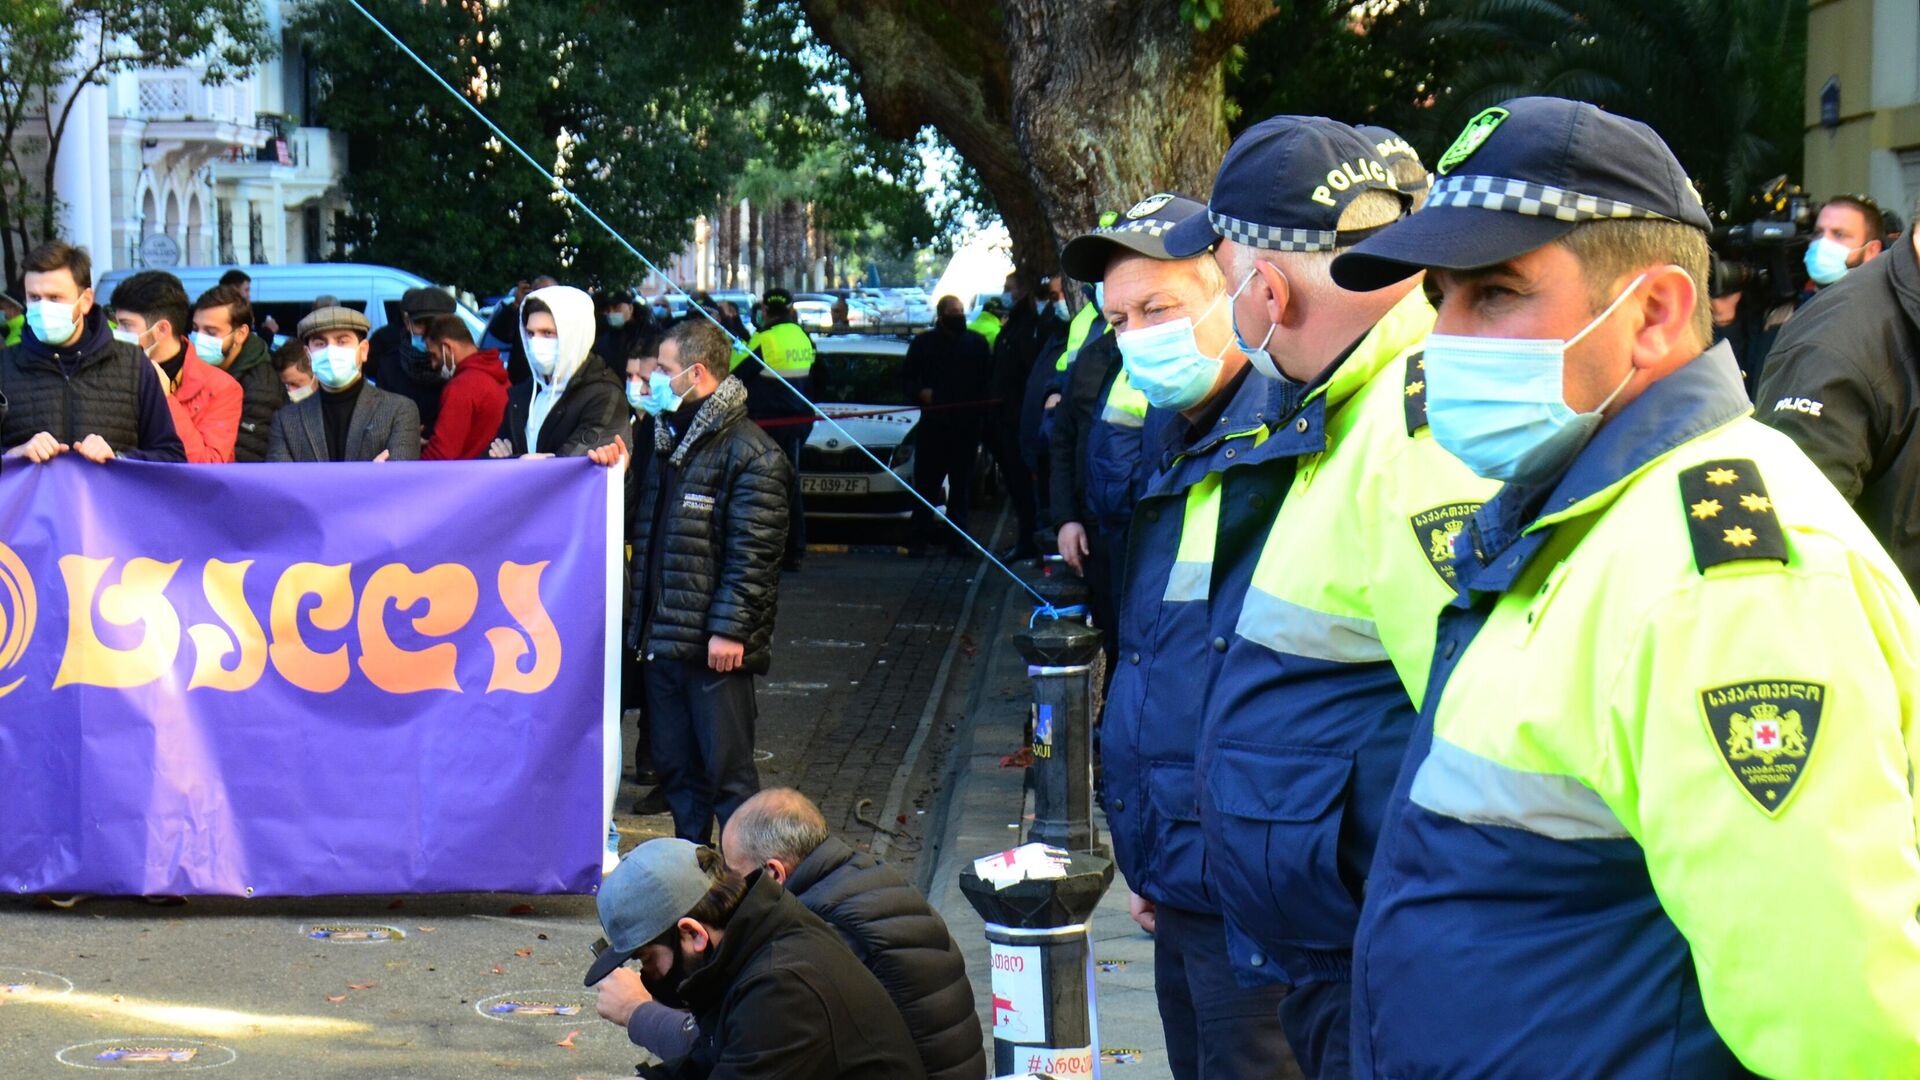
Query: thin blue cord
708, 315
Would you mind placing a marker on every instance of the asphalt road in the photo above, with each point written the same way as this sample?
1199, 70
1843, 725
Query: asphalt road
480, 984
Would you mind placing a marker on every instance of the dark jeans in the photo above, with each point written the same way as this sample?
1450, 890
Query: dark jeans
944, 455
1318, 1021
790, 438
633, 695
1216, 1029
1004, 445
702, 724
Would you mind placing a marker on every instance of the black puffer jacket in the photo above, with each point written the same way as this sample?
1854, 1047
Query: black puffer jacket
783, 999
591, 411
262, 395
715, 502
905, 943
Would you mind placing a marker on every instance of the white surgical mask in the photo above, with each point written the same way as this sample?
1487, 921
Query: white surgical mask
1827, 260
1498, 404
209, 348
301, 393
1257, 355
544, 354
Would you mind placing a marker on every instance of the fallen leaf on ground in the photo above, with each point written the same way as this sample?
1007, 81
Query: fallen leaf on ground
361, 986
118, 998
424, 929
568, 1041
497, 971
520, 909
1019, 759
523, 952
336, 998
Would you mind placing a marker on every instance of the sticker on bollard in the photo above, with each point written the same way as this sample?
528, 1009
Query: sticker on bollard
1108, 967
1042, 730
1019, 993
1122, 1056
1057, 1063
147, 1054
352, 933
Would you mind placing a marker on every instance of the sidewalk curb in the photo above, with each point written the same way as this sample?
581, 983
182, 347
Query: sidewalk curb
957, 777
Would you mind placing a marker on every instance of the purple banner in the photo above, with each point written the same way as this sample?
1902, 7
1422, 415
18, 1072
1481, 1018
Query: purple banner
281, 680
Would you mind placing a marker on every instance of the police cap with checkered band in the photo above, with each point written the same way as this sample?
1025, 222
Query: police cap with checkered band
1283, 186
1142, 229
1520, 176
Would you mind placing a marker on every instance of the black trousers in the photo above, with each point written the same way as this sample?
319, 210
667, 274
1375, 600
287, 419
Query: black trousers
1004, 444
633, 695
944, 455
702, 724
1216, 1029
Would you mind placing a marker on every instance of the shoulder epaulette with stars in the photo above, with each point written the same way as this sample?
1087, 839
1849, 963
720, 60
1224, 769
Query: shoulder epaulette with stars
1416, 392
1729, 515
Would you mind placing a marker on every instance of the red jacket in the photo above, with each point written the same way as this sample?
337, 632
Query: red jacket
205, 403
471, 408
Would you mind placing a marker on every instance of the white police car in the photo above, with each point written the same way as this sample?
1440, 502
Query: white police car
856, 380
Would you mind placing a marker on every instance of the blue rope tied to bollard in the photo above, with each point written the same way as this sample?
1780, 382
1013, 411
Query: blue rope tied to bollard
1071, 611
739, 345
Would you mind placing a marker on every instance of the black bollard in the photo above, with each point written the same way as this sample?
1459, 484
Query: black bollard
1044, 1019
1060, 655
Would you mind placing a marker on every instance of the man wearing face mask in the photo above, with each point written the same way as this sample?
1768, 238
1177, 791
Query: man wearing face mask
1031, 323
619, 332
1842, 383
397, 353
475, 398
1656, 816
204, 400
710, 529
1848, 233
1211, 494
69, 384
772, 990
348, 419
1308, 716
572, 404
224, 337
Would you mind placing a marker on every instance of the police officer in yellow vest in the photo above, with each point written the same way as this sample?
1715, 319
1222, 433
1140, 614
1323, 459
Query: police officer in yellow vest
1305, 725
783, 349
987, 323
1658, 815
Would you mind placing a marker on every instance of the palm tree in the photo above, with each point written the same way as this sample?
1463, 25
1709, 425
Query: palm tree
1720, 80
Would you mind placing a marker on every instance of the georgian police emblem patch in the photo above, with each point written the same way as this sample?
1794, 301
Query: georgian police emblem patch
1765, 731
1471, 137
1435, 530
1148, 205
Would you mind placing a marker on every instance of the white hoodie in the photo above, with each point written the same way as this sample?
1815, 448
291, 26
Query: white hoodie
573, 318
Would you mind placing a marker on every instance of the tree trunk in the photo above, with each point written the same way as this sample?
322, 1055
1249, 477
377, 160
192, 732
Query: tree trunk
1066, 108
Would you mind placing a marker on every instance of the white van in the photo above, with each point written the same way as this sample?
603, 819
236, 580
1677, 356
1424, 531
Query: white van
287, 292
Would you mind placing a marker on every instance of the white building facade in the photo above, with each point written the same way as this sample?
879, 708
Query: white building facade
159, 169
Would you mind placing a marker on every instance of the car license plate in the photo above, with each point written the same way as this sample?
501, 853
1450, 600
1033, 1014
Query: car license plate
833, 485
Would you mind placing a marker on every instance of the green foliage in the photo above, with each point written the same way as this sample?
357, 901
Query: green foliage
621, 110
46, 43
1200, 14
1720, 80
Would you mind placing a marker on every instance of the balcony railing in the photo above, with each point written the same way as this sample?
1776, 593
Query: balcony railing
182, 96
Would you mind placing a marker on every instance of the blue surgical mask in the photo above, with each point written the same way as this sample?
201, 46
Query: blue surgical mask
335, 366
51, 320
1498, 404
1100, 296
660, 396
615, 320
126, 337
637, 396
1827, 260
1165, 364
209, 348
1007, 299
419, 343
1060, 309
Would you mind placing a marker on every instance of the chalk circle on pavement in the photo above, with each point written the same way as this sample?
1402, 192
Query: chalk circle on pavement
145, 1053
543, 1006
352, 933
28, 984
